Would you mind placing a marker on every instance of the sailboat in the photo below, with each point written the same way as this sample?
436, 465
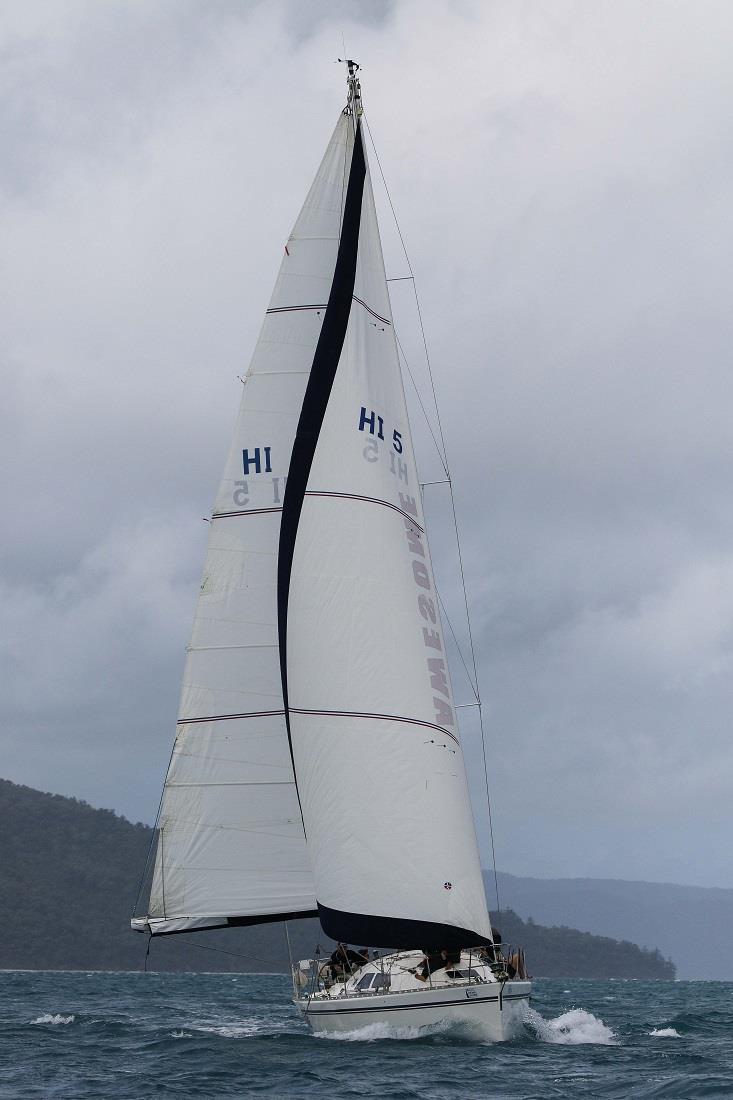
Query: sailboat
317, 768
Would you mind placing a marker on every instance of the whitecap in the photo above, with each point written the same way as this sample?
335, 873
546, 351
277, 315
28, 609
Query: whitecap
665, 1033
47, 1018
370, 1033
233, 1031
181, 1035
572, 1028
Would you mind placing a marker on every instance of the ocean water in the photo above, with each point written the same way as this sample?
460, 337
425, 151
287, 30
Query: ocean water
94, 1036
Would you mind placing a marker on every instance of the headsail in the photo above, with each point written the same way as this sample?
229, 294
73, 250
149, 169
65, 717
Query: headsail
379, 767
317, 765
231, 848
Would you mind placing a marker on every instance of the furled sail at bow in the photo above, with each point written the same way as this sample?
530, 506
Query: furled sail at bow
231, 848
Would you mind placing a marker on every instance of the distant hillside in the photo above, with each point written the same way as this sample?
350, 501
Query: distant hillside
689, 924
563, 952
69, 874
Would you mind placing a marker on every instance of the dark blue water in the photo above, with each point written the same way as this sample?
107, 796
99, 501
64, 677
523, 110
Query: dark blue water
86, 1036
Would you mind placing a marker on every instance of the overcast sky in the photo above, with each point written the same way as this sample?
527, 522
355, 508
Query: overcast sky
562, 175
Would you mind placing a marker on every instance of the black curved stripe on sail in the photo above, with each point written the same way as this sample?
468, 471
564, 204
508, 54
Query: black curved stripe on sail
397, 932
320, 381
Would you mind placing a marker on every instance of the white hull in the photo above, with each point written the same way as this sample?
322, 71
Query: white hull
492, 1014
387, 990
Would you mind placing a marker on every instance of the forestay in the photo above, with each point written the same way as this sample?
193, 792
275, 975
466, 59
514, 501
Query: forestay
231, 847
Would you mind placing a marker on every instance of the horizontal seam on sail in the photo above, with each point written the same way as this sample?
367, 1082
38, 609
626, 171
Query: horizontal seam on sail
324, 713
326, 493
238, 783
225, 717
251, 645
367, 500
290, 837
296, 309
244, 512
384, 717
213, 914
373, 313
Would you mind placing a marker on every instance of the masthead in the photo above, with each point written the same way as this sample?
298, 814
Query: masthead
353, 104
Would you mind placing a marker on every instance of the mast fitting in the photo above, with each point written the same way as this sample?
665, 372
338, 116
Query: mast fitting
353, 104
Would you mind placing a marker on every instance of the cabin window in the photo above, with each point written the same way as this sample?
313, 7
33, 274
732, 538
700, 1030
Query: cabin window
472, 974
373, 982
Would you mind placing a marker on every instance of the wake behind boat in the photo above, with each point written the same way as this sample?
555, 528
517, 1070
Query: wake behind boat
317, 768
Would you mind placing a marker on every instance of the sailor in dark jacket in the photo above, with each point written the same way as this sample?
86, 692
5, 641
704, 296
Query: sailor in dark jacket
344, 960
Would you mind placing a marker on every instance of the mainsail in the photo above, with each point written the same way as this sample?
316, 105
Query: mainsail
317, 766
231, 848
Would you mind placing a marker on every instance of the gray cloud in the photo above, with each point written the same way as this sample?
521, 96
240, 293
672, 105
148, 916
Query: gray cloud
562, 175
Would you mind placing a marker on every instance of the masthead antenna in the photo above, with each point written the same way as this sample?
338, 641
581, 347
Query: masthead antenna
353, 104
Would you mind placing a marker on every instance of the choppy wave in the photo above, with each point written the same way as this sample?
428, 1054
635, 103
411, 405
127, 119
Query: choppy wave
369, 1033
572, 1028
199, 1036
47, 1018
241, 1028
233, 1031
